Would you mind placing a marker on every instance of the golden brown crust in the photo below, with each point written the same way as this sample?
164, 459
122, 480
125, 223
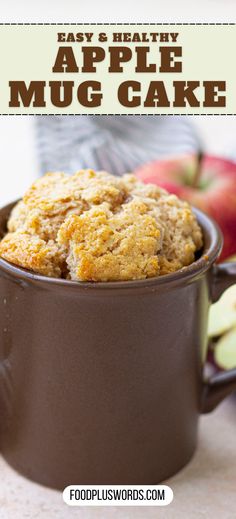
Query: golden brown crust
106, 227
32, 253
102, 246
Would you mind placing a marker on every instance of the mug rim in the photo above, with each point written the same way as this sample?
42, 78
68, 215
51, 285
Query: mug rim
211, 232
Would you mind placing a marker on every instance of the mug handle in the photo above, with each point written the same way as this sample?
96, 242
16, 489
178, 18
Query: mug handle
220, 385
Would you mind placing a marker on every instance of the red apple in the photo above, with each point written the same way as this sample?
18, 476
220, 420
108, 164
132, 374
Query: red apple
215, 192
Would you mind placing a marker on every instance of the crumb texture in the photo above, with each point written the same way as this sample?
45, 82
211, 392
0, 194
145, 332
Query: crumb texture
93, 226
31, 252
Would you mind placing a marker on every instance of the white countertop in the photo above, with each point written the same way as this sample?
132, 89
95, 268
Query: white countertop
205, 489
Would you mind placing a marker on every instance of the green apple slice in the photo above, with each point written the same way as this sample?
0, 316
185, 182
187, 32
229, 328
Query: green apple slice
222, 316
225, 350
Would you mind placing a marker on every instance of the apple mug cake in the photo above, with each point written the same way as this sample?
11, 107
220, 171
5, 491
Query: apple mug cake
93, 226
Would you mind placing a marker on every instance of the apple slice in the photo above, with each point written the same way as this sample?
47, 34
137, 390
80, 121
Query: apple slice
222, 316
225, 350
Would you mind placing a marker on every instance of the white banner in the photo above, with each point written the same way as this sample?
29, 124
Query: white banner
118, 495
117, 69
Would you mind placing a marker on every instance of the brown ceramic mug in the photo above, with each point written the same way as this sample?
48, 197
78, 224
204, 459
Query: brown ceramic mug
102, 383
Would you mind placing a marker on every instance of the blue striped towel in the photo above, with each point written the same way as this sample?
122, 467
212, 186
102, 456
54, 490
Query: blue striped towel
117, 144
